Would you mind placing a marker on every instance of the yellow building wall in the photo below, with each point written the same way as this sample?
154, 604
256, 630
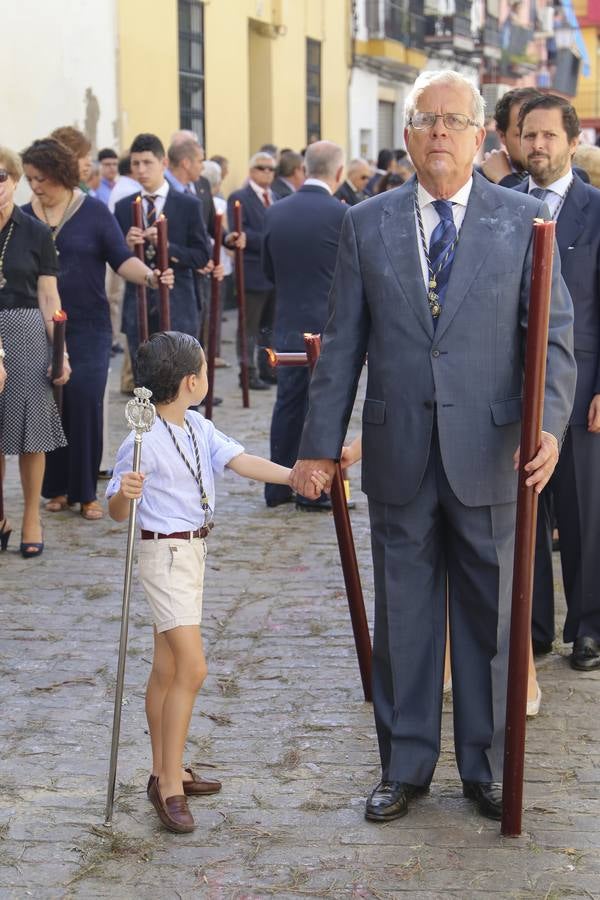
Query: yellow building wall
587, 99
147, 68
255, 73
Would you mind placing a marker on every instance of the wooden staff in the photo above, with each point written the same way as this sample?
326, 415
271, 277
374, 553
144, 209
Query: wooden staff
343, 527
58, 355
527, 504
162, 254
142, 297
241, 301
213, 319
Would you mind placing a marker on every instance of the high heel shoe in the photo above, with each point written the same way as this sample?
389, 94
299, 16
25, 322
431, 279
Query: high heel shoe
5, 533
30, 549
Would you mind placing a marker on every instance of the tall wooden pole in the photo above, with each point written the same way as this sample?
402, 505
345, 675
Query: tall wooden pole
162, 256
527, 503
213, 319
343, 527
142, 296
241, 301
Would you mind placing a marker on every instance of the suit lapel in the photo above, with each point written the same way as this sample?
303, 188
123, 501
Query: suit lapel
475, 242
399, 235
572, 217
255, 201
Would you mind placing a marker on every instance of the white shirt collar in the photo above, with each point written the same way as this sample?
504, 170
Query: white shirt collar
560, 186
258, 190
461, 196
316, 182
162, 191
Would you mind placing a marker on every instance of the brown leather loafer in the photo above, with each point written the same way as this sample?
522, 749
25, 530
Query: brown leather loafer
198, 784
173, 812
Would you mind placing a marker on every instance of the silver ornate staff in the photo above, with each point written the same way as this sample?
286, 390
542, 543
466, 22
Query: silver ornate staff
140, 415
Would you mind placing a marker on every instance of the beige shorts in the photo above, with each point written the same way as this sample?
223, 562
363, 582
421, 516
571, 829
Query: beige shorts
172, 575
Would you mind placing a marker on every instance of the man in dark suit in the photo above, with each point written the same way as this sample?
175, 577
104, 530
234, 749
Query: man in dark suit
299, 252
352, 190
189, 247
549, 137
290, 174
433, 281
255, 198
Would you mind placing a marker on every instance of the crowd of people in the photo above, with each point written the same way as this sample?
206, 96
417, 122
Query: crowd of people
390, 258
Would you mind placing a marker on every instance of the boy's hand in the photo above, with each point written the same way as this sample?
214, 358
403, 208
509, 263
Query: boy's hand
132, 484
320, 480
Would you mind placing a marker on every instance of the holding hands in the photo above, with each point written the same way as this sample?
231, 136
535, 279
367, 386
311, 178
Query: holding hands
310, 477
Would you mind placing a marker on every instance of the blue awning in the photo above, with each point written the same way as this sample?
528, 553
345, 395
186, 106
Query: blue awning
579, 42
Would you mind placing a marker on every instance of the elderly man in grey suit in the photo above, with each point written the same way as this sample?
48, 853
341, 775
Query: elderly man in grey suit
432, 280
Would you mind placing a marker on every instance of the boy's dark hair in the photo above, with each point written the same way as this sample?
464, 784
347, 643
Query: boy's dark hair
570, 119
125, 165
164, 360
107, 153
506, 103
384, 158
148, 143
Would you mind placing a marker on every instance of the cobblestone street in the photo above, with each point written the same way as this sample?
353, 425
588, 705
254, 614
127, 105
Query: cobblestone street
281, 718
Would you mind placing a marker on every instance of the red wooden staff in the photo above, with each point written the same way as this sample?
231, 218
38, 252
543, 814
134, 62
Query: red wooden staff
213, 319
527, 505
162, 254
241, 300
343, 527
142, 297
58, 354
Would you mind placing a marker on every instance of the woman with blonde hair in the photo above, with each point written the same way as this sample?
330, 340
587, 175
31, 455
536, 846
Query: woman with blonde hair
29, 421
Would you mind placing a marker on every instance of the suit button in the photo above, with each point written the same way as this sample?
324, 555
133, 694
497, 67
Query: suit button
435, 353
428, 404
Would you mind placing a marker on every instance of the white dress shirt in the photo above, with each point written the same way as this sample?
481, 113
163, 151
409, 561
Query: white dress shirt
124, 187
260, 192
160, 196
556, 191
318, 183
171, 498
431, 218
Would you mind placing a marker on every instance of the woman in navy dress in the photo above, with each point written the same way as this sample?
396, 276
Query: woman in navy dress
87, 237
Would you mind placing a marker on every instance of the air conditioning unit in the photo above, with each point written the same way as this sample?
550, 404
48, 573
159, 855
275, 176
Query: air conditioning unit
491, 95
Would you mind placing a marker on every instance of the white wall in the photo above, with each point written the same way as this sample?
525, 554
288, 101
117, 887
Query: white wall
363, 111
52, 51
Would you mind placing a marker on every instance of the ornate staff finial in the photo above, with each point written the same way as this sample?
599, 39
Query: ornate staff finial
139, 412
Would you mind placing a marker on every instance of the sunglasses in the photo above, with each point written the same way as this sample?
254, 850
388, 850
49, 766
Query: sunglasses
3, 175
265, 168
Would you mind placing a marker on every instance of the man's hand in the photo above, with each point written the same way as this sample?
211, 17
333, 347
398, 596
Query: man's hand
593, 417
496, 165
217, 272
65, 375
541, 467
236, 239
167, 277
301, 478
134, 236
151, 235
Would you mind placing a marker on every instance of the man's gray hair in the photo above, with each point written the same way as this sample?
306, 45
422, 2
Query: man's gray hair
357, 163
181, 150
444, 76
212, 172
256, 158
323, 159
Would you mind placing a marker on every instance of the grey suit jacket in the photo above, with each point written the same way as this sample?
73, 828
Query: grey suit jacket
471, 367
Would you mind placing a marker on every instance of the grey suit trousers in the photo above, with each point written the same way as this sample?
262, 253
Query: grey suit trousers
424, 552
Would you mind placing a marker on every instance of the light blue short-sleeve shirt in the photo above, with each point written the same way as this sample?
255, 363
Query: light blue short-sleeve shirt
171, 498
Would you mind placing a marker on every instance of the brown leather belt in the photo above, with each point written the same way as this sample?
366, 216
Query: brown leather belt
177, 535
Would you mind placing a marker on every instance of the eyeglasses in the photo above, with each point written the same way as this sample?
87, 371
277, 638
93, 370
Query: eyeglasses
3, 175
452, 121
265, 168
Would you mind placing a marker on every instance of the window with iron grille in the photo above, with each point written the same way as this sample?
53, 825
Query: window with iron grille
191, 66
313, 90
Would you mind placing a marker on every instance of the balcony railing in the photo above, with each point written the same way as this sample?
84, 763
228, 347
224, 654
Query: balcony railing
397, 20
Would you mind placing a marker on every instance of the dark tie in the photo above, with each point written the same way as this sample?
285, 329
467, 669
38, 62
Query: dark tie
188, 189
442, 247
539, 193
151, 209
266, 200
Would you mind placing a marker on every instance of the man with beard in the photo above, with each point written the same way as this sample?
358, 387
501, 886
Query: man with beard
549, 137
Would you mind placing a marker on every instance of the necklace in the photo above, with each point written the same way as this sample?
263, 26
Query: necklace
56, 228
197, 475
432, 297
2, 254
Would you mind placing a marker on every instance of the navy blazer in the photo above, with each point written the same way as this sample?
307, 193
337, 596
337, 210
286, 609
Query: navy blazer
253, 223
189, 249
578, 239
300, 247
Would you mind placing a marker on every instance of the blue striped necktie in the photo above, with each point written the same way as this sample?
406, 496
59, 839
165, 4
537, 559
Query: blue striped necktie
442, 247
539, 193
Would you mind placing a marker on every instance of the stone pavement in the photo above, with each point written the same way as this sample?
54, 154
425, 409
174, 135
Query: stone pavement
281, 717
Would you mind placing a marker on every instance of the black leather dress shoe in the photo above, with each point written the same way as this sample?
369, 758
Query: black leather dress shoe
541, 648
487, 796
322, 505
279, 501
586, 654
257, 384
389, 800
